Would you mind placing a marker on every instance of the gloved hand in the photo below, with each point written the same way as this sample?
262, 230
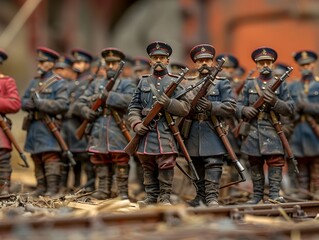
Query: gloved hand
37, 102
140, 129
29, 105
300, 106
249, 112
270, 97
204, 104
89, 114
164, 100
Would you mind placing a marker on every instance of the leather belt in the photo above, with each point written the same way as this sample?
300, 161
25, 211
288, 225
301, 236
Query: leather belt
200, 117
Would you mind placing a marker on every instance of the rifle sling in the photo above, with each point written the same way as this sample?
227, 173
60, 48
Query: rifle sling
153, 89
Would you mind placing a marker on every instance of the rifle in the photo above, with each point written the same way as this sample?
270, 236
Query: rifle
260, 101
86, 125
120, 123
55, 131
156, 108
242, 84
203, 91
223, 136
284, 140
178, 137
8, 133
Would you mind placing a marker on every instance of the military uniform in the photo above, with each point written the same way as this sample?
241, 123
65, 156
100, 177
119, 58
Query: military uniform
9, 103
304, 141
262, 144
40, 142
106, 141
157, 148
202, 142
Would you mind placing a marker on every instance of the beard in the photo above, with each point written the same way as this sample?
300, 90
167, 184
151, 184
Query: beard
41, 71
265, 71
306, 72
110, 73
204, 69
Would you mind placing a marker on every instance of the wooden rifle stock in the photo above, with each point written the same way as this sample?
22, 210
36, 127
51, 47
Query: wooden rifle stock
98, 102
284, 140
232, 155
180, 141
6, 129
55, 131
156, 108
260, 101
120, 123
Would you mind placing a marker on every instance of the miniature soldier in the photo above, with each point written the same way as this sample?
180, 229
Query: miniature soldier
261, 142
304, 140
202, 141
9, 103
106, 141
176, 67
157, 149
141, 67
40, 141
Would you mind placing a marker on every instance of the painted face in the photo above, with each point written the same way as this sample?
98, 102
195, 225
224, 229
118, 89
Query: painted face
111, 67
307, 69
265, 66
44, 66
80, 66
159, 62
203, 65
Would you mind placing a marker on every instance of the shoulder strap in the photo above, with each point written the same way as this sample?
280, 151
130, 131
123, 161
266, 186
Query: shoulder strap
51, 80
153, 88
257, 87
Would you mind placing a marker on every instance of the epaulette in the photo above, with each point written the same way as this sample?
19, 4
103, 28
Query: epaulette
172, 75
220, 78
317, 78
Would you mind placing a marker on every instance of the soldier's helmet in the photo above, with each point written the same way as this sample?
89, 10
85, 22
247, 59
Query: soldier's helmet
159, 48
112, 54
264, 53
141, 63
202, 51
305, 57
47, 54
230, 60
64, 62
80, 55
3, 56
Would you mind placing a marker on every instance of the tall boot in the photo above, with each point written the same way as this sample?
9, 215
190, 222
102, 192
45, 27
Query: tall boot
151, 188
64, 177
104, 174
52, 175
212, 181
200, 197
5, 172
314, 181
122, 172
303, 181
258, 178
40, 178
90, 176
165, 177
275, 177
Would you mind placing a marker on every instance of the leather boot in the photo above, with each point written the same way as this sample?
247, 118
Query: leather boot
4, 186
165, 177
200, 198
303, 181
90, 176
258, 178
52, 175
212, 179
314, 181
151, 188
122, 172
104, 174
77, 169
64, 177
5, 172
40, 178
275, 177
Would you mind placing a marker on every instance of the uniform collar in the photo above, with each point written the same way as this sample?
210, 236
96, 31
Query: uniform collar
160, 73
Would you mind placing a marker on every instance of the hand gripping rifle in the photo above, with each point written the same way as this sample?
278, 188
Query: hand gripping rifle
55, 131
99, 102
156, 109
260, 101
6, 129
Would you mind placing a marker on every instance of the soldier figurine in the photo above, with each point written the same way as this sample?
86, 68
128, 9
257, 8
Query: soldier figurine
304, 140
106, 141
9, 103
141, 67
261, 142
202, 141
40, 142
157, 149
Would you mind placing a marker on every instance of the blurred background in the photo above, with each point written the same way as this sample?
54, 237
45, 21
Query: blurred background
232, 26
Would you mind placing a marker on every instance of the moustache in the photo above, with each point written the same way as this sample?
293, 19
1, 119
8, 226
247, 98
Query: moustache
205, 67
265, 70
160, 65
305, 72
110, 73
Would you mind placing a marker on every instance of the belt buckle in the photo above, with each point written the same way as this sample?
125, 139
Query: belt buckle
201, 116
